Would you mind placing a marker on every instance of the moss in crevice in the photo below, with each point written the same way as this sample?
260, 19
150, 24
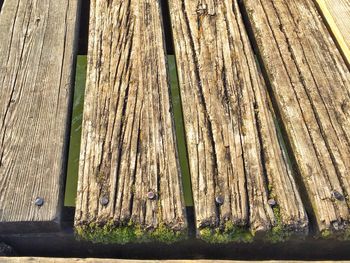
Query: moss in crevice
229, 233
326, 234
342, 235
110, 233
278, 233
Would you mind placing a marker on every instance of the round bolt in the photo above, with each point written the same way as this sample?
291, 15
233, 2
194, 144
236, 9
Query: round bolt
104, 200
272, 202
219, 200
337, 195
151, 195
39, 201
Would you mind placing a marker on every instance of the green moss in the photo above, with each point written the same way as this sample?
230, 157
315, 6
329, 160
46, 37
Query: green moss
110, 233
230, 233
347, 234
326, 233
342, 235
278, 233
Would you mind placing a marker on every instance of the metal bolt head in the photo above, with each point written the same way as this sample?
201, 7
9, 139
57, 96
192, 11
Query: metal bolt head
104, 200
219, 200
272, 202
39, 201
151, 195
337, 195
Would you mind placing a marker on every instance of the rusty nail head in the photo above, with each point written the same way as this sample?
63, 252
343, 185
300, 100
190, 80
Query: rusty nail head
39, 201
104, 200
151, 195
219, 200
272, 202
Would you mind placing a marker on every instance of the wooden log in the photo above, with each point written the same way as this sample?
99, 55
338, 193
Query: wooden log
236, 161
37, 47
337, 16
310, 85
129, 185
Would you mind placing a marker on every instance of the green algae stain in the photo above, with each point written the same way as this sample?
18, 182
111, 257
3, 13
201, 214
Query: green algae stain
180, 131
74, 147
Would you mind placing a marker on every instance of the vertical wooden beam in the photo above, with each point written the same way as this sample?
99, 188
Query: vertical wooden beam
129, 185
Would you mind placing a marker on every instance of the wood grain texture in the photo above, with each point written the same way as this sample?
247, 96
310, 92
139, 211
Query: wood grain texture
128, 142
232, 142
37, 45
310, 84
110, 260
337, 15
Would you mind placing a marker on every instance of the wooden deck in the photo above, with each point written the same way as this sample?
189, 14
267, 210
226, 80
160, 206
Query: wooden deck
266, 107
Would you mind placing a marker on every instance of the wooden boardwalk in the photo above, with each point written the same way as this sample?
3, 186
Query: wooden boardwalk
266, 106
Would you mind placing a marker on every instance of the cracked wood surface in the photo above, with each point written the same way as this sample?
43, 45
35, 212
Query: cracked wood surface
128, 138
310, 84
233, 148
37, 45
337, 16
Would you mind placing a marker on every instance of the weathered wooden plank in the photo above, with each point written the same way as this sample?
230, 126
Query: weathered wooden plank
310, 83
337, 16
37, 46
128, 148
107, 260
235, 156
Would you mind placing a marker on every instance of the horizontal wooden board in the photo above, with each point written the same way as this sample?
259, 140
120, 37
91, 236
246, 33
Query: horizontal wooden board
109, 260
310, 84
241, 181
337, 16
129, 185
37, 47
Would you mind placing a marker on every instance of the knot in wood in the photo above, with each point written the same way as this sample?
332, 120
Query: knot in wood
202, 9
